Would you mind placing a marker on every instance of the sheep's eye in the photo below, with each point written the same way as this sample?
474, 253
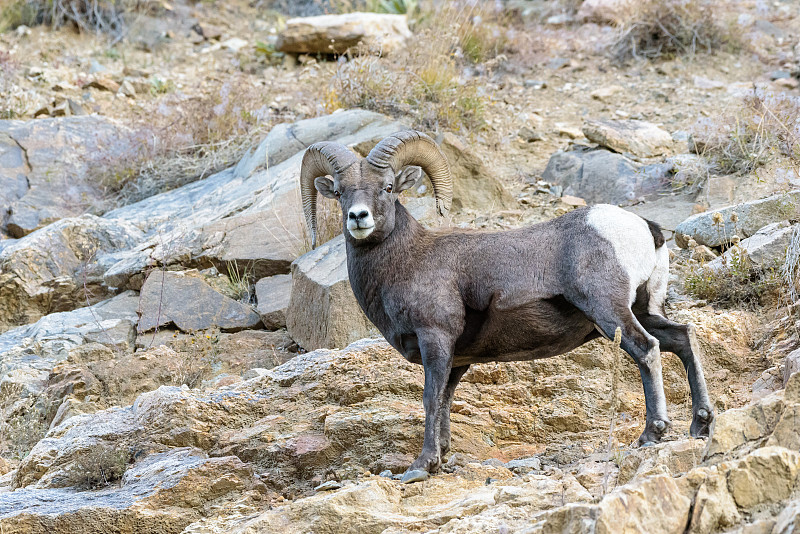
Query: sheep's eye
337, 194
389, 188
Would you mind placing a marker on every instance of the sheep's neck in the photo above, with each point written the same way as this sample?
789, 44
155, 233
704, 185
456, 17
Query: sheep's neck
371, 267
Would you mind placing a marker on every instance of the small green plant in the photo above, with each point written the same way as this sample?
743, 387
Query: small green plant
112, 53
396, 7
100, 466
17, 13
159, 86
268, 53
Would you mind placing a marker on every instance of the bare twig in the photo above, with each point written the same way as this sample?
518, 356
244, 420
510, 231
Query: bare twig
614, 386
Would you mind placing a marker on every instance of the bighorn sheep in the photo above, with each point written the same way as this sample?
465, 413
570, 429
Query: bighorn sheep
451, 298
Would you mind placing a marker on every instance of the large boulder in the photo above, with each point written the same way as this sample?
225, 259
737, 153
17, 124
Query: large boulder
474, 185
273, 294
187, 301
335, 34
640, 138
36, 154
59, 267
750, 217
323, 312
247, 218
48, 341
159, 494
601, 176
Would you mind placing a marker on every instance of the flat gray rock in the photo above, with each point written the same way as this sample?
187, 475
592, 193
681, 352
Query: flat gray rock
273, 294
191, 304
323, 312
601, 176
750, 218
765, 248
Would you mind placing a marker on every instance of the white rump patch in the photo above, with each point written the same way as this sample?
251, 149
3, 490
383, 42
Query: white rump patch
635, 250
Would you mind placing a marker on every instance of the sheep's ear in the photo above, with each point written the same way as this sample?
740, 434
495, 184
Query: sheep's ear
407, 178
325, 186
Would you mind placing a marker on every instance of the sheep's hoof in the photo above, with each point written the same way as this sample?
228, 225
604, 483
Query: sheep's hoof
653, 431
701, 423
415, 475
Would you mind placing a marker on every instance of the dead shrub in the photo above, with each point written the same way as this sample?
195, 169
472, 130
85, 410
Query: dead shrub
23, 421
101, 466
188, 139
91, 16
738, 283
763, 126
668, 28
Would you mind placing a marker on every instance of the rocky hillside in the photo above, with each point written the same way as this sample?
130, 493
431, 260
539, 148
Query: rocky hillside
175, 359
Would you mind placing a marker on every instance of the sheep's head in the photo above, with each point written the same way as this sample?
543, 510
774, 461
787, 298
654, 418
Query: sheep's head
367, 189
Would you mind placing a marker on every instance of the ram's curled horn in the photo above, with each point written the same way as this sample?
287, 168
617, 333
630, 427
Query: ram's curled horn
410, 147
320, 159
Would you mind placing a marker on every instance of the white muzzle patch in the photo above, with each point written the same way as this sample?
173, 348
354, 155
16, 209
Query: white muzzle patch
360, 223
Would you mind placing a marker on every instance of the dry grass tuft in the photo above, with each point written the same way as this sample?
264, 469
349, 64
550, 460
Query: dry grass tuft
432, 80
23, 421
668, 28
765, 125
189, 139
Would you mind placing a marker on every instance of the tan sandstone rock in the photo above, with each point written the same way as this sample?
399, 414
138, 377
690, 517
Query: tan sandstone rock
335, 34
639, 138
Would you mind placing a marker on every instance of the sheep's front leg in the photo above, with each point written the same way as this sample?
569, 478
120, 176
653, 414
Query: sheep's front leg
437, 356
444, 437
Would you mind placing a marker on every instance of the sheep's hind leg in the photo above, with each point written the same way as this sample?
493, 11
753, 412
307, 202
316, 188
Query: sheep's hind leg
644, 349
682, 340
444, 432
436, 360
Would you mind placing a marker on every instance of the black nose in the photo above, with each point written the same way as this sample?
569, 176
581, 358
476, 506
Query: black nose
356, 216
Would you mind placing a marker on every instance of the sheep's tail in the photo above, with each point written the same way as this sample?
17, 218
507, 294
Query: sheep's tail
655, 230
657, 283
